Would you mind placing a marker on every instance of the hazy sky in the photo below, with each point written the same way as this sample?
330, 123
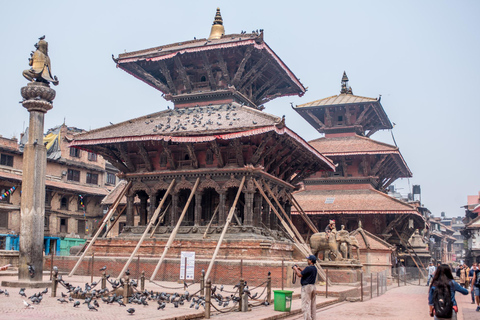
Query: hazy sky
421, 56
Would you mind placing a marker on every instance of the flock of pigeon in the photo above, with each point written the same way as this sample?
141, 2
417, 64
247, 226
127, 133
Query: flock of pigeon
207, 117
89, 295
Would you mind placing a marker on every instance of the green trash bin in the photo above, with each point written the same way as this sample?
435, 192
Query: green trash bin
282, 300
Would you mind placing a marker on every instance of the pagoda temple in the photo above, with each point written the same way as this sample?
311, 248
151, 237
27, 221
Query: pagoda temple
365, 168
216, 134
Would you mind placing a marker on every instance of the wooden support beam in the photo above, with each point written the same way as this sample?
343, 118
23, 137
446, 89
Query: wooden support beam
218, 154
122, 148
305, 249
105, 218
252, 71
394, 222
183, 73
261, 149
302, 213
223, 67
241, 67
267, 84
113, 158
315, 118
166, 73
147, 228
285, 157
372, 131
235, 143
146, 159
254, 77
378, 165
168, 152
211, 220
227, 223
114, 222
191, 153
151, 79
363, 114
408, 250
175, 230
160, 219
207, 66
273, 87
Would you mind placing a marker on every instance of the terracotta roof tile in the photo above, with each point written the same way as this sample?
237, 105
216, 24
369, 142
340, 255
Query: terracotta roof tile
363, 201
351, 144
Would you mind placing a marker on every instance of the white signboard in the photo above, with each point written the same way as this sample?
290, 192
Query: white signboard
187, 265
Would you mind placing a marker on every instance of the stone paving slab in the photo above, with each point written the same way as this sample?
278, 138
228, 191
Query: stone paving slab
50, 308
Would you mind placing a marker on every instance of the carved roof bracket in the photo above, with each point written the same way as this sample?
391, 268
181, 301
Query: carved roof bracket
145, 157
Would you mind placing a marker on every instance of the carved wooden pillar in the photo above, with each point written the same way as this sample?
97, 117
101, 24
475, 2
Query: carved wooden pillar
198, 208
143, 209
288, 209
153, 205
248, 209
265, 213
257, 210
273, 218
130, 218
221, 208
174, 209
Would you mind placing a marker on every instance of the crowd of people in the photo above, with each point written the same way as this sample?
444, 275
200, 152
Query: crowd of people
441, 296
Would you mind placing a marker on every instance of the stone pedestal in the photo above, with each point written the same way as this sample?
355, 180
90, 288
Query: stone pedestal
343, 271
37, 100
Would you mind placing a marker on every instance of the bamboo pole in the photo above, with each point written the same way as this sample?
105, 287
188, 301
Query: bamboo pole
302, 213
160, 220
299, 236
301, 246
227, 222
108, 215
408, 250
211, 220
175, 230
147, 229
114, 222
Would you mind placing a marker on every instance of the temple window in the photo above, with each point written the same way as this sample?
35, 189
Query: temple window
92, 178
74, 152
73, 175
6, 160
64, 203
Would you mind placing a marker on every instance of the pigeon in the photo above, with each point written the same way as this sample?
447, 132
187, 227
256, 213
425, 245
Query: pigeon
22, 292
76, 304
161, 306
90, 307
62, 300
45, 291
64, 295
95, 303
131, 310
128, 273
26, 304
6, 293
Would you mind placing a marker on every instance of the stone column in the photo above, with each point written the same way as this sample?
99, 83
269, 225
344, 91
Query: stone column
143, 209
257, 210
198, 209
37, 100
130, 207
265, 214
221, 208
153, 205
248, 209
174, 209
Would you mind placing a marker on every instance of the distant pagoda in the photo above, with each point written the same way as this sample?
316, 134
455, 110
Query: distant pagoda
216, 132
365, 168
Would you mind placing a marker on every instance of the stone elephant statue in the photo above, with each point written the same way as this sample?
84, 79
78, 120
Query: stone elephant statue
318, 242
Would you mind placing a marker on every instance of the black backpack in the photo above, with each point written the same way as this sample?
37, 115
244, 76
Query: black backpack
442, 301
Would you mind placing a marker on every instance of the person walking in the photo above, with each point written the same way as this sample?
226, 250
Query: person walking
441, 296
476, 287
470, 276
431, 271
309, 292
462, 276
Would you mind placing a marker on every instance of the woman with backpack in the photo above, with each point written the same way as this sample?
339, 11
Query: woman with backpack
441, 296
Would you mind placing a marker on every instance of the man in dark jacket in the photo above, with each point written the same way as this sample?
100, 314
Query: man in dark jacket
309, 293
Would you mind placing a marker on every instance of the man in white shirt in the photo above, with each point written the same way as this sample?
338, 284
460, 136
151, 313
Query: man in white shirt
431, 271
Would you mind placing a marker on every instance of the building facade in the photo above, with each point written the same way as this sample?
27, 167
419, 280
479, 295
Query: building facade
76, 183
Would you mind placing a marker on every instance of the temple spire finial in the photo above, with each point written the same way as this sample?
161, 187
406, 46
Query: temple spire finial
217, 28
345, 87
